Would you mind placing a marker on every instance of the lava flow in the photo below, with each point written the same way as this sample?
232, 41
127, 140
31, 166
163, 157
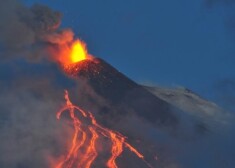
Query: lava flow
83, 149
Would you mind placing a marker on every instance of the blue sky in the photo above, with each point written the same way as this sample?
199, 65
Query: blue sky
168, 42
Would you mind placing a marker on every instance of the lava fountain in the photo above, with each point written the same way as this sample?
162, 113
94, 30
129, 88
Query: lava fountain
69, 53
78, 51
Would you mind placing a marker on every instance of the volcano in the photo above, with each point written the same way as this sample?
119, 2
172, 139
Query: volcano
62, 108
160, 106
108, 120
133, 110
123, 92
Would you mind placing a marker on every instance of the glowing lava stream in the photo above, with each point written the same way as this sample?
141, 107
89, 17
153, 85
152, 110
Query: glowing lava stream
81, 155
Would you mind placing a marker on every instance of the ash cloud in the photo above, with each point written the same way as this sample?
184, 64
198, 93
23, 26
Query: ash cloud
27, 31
30, 133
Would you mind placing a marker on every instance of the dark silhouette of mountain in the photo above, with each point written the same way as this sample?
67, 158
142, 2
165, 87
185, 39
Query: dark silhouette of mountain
161, 119
123, 92
126, 96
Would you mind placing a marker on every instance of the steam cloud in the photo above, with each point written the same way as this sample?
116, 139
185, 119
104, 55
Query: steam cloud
26, 31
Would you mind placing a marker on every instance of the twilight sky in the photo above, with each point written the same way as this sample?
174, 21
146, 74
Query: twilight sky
170, 43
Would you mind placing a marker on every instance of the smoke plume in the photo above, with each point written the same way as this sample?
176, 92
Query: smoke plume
27, 31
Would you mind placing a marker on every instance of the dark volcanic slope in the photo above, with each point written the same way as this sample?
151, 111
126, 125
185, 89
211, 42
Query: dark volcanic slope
123, 92
105, 80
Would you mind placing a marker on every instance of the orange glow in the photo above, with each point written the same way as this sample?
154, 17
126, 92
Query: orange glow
117, 149
70, 53
72, 155
78, 51
132, 149
83, 148
91, 152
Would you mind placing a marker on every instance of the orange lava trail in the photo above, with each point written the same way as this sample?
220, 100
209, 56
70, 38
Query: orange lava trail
82, 140
91, 152
117, 142
132, 149
117, 149
71, 156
